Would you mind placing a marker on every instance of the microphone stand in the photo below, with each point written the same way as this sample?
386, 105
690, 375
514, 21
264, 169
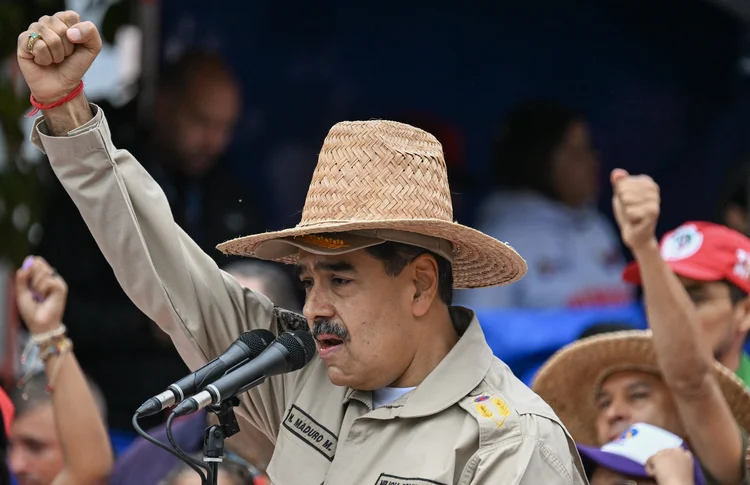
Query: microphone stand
213, 442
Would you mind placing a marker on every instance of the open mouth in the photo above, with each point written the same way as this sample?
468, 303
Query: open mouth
327, 341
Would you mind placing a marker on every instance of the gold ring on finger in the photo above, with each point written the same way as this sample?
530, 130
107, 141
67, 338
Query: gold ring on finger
33, 37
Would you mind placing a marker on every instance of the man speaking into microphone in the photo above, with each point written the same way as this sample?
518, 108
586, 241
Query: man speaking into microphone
404, 389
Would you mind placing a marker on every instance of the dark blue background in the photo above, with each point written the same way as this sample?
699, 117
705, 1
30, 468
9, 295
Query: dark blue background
658, 79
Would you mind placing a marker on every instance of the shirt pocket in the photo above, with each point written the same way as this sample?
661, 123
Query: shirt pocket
304, 451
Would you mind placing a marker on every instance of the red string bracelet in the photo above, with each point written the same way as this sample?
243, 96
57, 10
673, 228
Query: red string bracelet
39, 106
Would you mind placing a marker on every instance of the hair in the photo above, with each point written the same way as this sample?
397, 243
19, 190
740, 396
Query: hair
278, 285
526, 142
34, 394
233, 467
395, 256
176, 76
605, 327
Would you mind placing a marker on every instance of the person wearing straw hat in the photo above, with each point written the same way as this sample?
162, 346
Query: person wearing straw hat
665, 376
602, 385
404, 389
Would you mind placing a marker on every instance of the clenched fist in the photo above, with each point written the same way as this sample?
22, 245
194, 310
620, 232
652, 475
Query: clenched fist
636, 203
672, 466
41, 295
62, 50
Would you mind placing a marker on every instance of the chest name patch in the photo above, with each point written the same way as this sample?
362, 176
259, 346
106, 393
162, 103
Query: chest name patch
304, 427
385, 479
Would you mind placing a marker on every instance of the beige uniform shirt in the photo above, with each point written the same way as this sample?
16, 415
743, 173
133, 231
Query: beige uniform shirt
470, 422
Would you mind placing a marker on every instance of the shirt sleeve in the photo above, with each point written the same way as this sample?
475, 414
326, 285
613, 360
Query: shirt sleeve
544, 454
164, 272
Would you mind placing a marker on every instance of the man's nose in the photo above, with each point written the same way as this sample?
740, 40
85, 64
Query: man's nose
617, 411
17, 462
317, 305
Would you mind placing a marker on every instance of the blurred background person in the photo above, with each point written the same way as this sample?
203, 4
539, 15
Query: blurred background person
196, 112
546, 172
270, 279
619, 384
58, 433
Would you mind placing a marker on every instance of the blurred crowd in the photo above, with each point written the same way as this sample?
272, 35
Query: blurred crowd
622, 395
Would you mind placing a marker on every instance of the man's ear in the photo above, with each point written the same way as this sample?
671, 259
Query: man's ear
425, 275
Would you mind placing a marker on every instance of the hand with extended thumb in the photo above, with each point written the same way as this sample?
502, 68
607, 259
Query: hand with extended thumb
54, 54
636, 203
673, 466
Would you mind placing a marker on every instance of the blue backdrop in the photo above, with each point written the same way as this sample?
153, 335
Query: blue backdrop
658, 79
525, 339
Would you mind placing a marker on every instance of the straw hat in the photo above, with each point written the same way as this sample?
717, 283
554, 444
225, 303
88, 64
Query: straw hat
380, 181
568, 381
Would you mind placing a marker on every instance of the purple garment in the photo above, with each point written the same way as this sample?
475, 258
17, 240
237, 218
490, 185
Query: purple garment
145, 464
594, 458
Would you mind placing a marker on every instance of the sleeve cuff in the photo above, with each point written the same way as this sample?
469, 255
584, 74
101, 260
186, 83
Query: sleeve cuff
92, 135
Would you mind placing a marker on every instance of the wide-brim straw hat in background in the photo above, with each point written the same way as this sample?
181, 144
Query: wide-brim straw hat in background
570, 379
388, 180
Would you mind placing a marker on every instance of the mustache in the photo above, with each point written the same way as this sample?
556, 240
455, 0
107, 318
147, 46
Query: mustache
325, 326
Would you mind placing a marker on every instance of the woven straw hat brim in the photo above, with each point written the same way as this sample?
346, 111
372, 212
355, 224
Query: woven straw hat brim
478, 259
569, 379
382, 174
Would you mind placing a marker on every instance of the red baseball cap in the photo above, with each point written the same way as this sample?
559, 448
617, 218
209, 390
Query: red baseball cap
703, 251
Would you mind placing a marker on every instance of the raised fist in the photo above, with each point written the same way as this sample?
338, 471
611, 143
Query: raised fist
41, 295
636, 203
54, 54
672, 466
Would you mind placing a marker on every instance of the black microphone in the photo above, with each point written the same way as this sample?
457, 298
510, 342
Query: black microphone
248, 346
290, 352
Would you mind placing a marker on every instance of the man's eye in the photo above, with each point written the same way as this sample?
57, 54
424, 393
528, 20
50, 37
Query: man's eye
639, 395
306, 284
36, 448
602, 405
340, 281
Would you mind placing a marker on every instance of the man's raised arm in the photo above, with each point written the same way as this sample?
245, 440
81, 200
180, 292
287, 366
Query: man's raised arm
160, 268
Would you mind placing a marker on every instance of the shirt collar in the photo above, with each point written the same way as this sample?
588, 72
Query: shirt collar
459, 373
